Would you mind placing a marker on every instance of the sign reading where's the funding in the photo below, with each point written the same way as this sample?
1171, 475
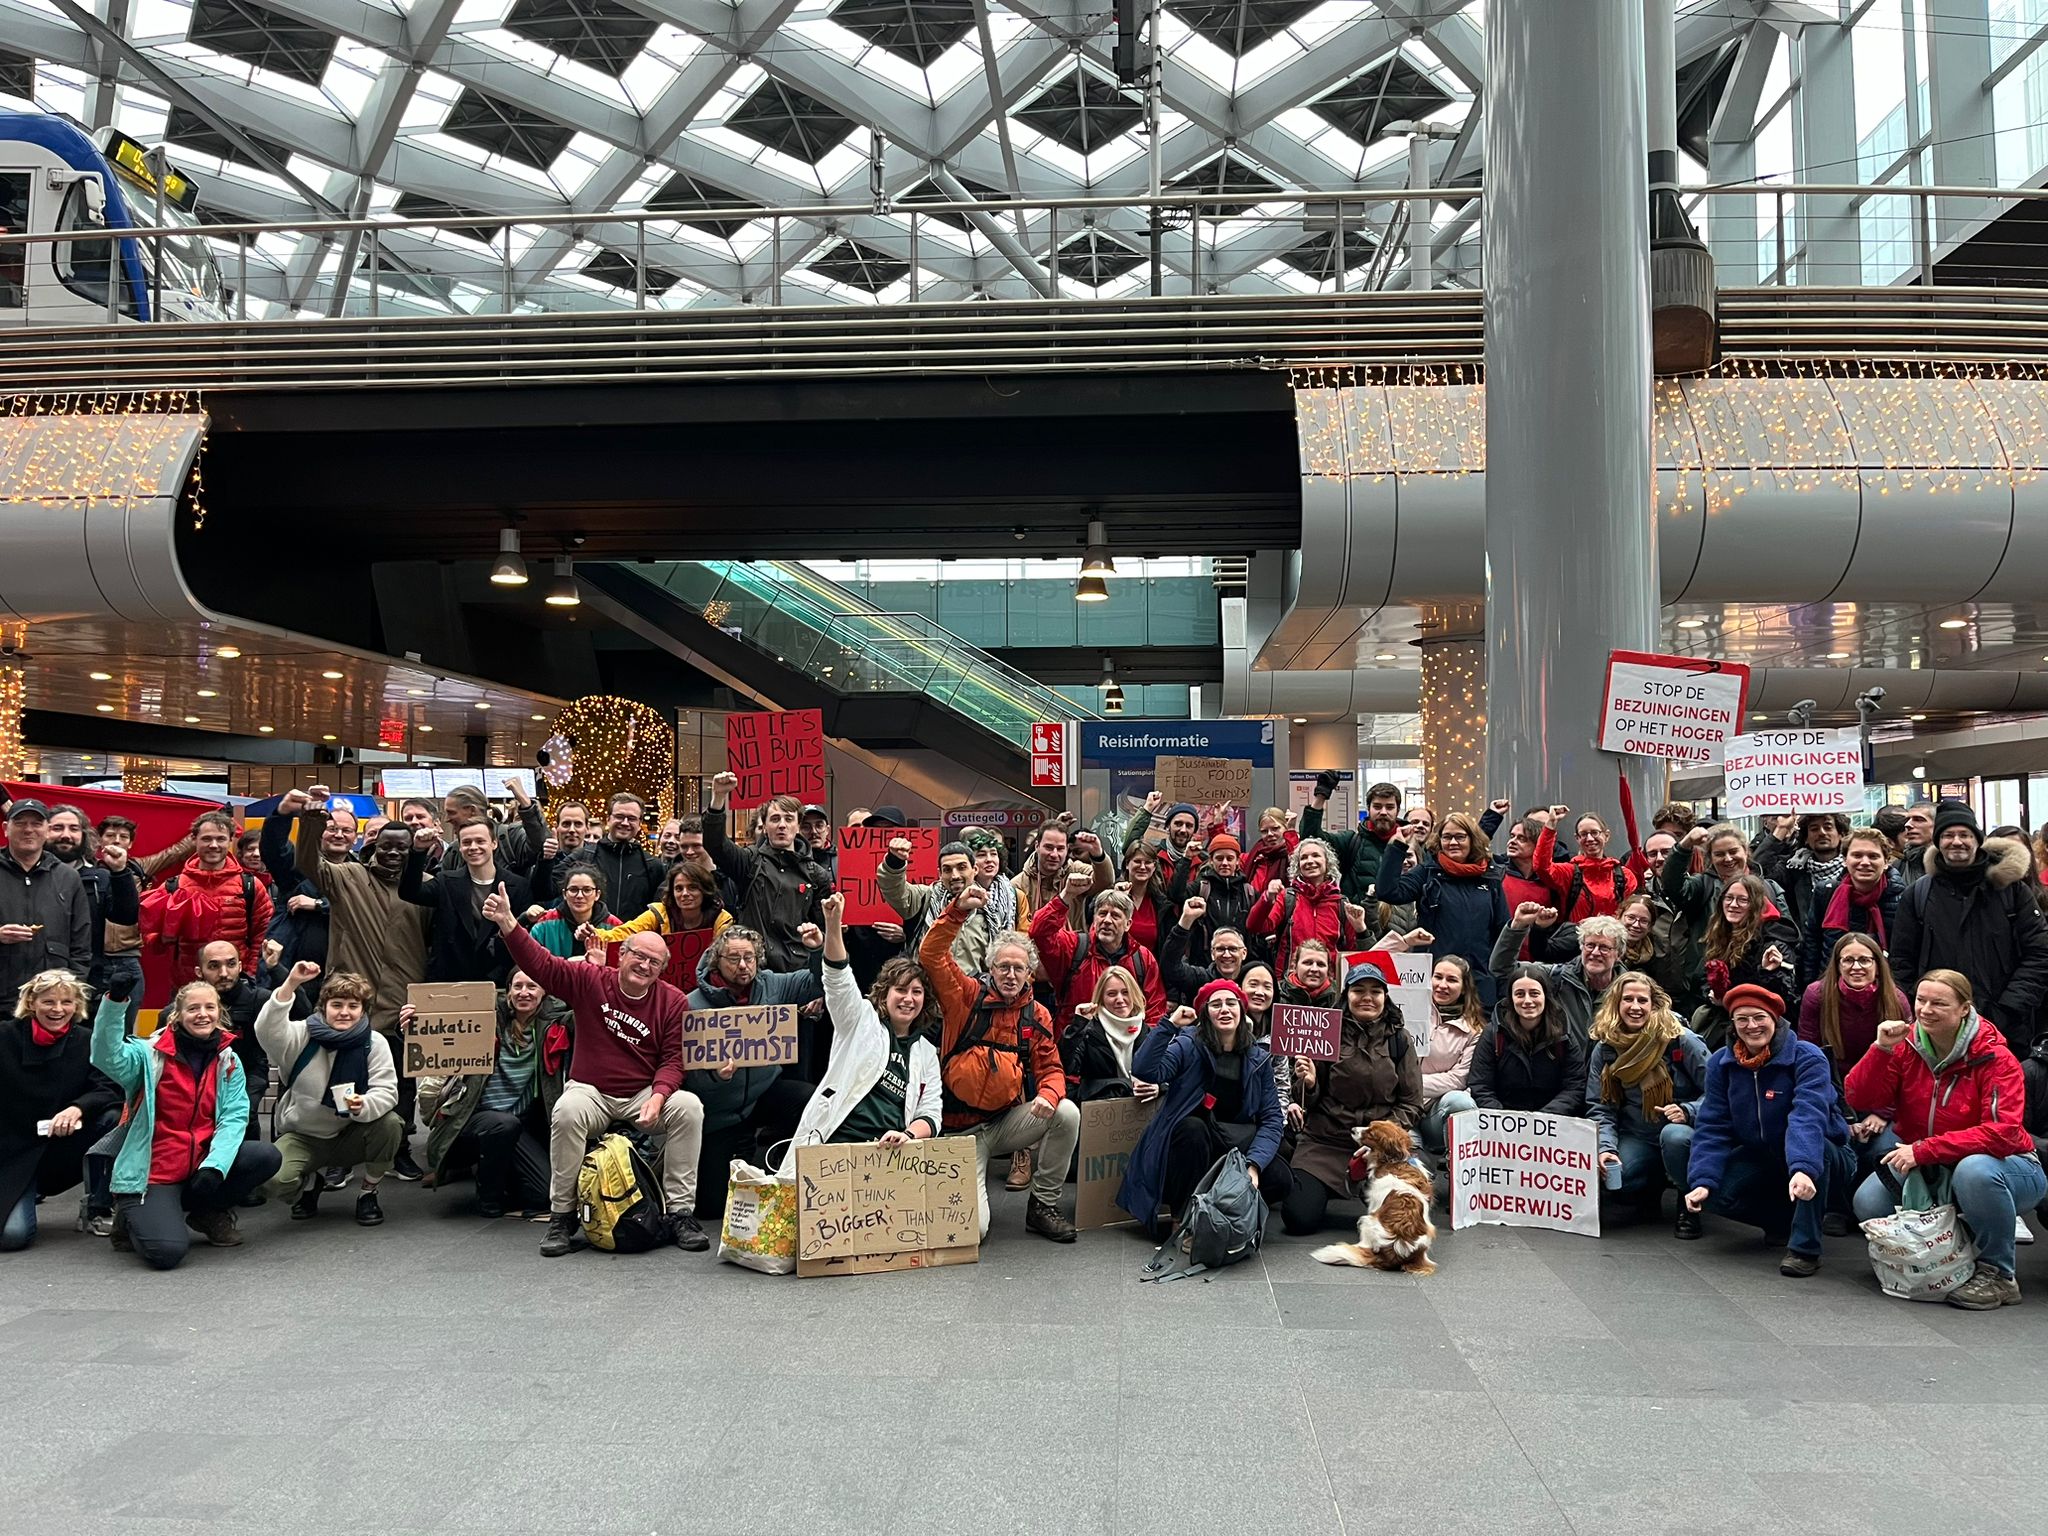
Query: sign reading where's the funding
1673, 707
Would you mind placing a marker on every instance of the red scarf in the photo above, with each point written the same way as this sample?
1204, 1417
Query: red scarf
1869, 903
1461, 869
45, 1037
1744, 1057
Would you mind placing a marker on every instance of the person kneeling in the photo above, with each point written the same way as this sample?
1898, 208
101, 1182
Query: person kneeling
339, 1102
497, 1121
1768, 1121
182, 1161
1643, 1080
1216, 1090
53, 1105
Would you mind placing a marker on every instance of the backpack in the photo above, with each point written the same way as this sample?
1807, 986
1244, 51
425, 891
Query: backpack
619, 1198
983, 1076
249, 932
1224, 1222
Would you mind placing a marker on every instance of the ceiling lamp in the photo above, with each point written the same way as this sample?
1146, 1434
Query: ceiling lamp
509, 570
1095, 559
562, 591
1112, 690
1091, 589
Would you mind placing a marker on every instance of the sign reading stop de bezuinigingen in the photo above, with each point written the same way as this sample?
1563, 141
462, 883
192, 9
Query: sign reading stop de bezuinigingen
1788, 771
1671, 707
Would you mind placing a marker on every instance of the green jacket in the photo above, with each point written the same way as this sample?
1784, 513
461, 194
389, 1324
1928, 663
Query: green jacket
458, 1098
136, 1064
1358, 854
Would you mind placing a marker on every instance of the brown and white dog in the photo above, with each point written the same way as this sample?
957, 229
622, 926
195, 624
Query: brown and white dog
1395, 1232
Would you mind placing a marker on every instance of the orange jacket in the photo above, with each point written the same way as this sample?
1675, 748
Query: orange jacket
1025, 1021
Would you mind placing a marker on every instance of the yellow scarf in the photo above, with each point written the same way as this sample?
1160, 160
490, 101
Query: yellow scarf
1638, 1062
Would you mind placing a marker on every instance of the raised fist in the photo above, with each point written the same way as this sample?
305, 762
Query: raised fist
1192, 911
899, 847
1080, 877
1529, 914
1892, 1031
727, 781
1275, 889
1498, 807
811, 936
1155, 803
303, 972
973, 899
833, 908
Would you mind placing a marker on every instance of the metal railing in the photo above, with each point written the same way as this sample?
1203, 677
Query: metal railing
849, 646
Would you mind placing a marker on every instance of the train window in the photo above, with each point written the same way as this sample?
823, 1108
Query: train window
14, 190
82, 265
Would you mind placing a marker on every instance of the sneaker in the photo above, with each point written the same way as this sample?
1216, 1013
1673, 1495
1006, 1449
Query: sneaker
307, 1205
217, 1227
1020, 1171
368, 1212
490, 1209
1837, 1224
99, 1224
561, 1234
689, 1236
403, 1167
2021, 1232
333, 1178
1688, 1228
1048, 1221
1987, 1289
1800, 1266
117, 1231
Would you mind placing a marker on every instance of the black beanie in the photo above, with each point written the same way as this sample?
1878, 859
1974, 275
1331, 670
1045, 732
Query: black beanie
1954, 813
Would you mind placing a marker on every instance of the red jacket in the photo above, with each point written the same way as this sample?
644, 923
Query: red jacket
207, 905
1266, 862
1604, 884
1975, 1106
184, 1112
1074, 970
1318, 914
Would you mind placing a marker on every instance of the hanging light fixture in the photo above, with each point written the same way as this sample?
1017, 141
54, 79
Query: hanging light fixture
562, 591
1091, 589
1095, 560
1112, 690
509, 570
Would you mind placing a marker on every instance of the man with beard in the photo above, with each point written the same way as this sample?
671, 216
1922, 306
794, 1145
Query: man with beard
1219, 883
1180, 856
1359, 852
1074, 962
112, 891
372, 931
1812, 862
918, 905
1044, 875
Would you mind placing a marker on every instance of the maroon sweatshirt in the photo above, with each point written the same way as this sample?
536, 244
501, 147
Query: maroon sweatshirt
622, 1044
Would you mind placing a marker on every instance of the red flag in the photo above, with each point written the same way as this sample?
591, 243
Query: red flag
160, 820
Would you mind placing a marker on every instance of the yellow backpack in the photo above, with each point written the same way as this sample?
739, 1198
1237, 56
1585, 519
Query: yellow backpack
618, 1198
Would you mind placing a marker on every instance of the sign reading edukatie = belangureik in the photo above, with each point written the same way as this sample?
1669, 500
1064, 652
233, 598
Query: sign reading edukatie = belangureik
1675, 707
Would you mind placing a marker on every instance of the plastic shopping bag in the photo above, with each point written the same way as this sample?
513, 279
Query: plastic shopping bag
760, 1221
1921, 1255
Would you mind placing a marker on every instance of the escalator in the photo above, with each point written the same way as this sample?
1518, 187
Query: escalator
889, 682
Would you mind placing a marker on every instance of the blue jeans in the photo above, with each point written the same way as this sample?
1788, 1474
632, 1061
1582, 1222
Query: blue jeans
1435, 1123
20, 1228
1989, 1193
1648, 1165
1753, 1190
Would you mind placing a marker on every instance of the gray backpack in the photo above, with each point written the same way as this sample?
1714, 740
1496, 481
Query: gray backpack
1224, 1222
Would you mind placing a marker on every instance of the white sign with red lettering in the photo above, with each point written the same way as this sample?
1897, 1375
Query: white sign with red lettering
1787, 771
1516, 1169
1671, 707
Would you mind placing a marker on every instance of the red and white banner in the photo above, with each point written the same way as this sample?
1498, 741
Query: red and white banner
1674, 707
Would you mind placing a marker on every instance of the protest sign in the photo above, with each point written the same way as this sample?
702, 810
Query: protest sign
1671, 706
776, 752
1341, 814
866, 1207
1418, 1012
763, 1035
1110, 1129
1203, 781
1787, 771
861, 851
454, 1029
1311, 1032
1514, 1169
1402, 968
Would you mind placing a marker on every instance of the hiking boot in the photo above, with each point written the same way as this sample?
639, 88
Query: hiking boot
1837, 1224
688, 1235
1987, 1289
1020, 1171
1048, 1221
368, 1212
333, 1178
217, 1227
307, 1205
1688, 1228
403, 1167
561, 1234
117, 1231
1800, 1266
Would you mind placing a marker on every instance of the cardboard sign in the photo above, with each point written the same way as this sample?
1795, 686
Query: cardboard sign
861, 851
1203, 781
1110, 1129
1312, 1032
761, 1036
1341, 814
867, 1207
1788, 771
454, 1032
1514, 1169
779, 752
1671, 706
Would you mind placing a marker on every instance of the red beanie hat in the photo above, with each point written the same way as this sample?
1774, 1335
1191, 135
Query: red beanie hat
1219, 985
1750, 995
1223, 842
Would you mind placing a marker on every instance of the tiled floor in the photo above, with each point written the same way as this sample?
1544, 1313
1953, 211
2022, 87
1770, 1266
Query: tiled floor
438, 1375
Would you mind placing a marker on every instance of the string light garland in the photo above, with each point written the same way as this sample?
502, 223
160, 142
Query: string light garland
614, 745
13, 700
75, 457
140, 776
1453, 720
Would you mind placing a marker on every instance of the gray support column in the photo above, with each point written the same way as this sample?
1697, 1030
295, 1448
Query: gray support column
1826, 151
1571, 559
1958, 60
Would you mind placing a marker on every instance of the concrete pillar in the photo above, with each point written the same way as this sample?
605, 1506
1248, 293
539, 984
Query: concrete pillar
1571, 559
1454, 723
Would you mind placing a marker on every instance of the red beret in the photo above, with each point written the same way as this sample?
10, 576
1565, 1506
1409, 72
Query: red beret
1750, 995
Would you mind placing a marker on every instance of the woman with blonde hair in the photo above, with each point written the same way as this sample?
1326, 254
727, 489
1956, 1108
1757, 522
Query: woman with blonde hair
53, 1105
1098, 1045
1644, 1079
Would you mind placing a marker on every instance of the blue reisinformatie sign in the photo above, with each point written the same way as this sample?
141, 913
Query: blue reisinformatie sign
1106, 744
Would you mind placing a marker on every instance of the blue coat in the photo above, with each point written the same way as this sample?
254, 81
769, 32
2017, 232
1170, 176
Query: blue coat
1465, 912
1787, 1105
1178, 1062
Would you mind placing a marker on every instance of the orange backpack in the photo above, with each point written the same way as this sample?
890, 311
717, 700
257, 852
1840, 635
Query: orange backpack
984, 1076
